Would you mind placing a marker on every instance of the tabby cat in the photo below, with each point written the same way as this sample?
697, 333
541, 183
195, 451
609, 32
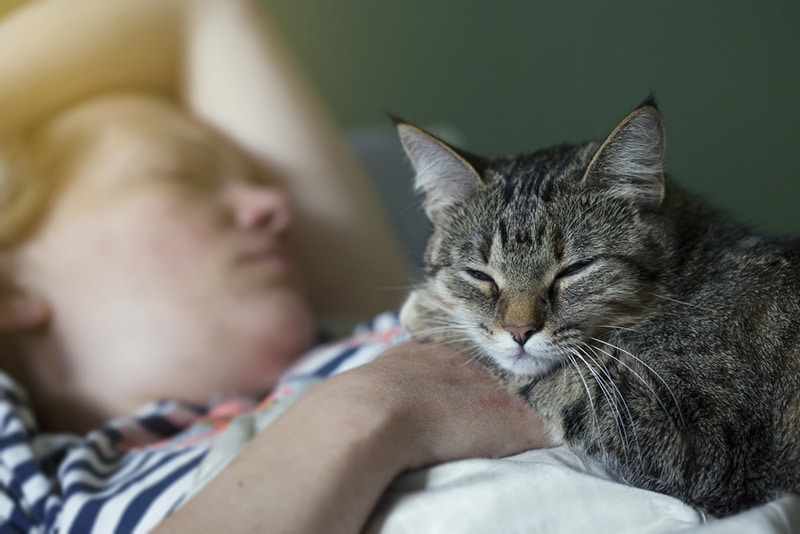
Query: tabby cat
651, 333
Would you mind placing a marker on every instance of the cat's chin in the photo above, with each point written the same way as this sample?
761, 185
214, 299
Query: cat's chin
537, 358
523, 363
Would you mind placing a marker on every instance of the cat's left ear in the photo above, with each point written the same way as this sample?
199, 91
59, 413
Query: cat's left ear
441, 172
630, 161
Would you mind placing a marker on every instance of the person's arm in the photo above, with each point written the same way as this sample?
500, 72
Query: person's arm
322, 465
241, 79
228, 67
55, 52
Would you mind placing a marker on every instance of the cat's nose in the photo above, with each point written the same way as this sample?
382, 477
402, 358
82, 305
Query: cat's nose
522, 333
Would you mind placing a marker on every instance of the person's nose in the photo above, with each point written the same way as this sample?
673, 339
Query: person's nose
260, 206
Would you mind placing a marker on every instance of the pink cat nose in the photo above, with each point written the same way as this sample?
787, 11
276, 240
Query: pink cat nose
522, 333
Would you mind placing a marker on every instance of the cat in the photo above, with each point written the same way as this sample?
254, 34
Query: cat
650, 332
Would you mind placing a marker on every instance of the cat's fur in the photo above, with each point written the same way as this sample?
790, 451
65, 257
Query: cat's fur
651, 333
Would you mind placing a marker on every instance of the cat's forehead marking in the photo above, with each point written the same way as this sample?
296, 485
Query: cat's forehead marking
502, 233
530, 183
498, 246
541, 230
558, 243
483, 242
535, 175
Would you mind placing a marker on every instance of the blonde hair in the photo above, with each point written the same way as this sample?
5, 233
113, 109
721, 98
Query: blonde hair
33, 167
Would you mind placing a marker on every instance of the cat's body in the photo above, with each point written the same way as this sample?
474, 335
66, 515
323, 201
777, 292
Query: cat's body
651, 333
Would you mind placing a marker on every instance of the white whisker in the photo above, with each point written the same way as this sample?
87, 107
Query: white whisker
649, 387
623, 402
615, 410
585, 385
624, 328
676, 301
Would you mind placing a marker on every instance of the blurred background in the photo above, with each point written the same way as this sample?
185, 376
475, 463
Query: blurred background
516, 75
509, 76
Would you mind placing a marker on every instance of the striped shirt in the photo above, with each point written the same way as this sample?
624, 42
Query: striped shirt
130, 474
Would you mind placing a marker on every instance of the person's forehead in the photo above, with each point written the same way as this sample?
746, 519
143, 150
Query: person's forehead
142, 120
134, 131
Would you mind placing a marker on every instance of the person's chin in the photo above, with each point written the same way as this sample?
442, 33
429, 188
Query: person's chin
289, 315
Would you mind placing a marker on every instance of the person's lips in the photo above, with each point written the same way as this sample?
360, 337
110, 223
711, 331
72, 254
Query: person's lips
269, 260
268, 257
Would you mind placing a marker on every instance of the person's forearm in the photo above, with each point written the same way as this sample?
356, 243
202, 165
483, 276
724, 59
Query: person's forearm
242, 80
53, 52
319, 469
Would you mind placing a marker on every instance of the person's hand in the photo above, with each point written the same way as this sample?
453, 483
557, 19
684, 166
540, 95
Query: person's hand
446, 407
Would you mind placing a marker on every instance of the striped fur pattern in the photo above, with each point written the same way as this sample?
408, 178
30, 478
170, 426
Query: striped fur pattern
650, 332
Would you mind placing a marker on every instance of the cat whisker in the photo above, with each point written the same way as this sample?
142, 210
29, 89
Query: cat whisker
439, 320
455, 335
623, 328
650, 369
451, 341
622, 400
444, 328
615, 410
574, 363
600, 384
606, 395
472, 356
639, 377
440, 306
445, 321
397, 287
649, 387
619, 417
441, 336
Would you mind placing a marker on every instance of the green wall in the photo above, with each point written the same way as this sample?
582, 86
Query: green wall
518, 75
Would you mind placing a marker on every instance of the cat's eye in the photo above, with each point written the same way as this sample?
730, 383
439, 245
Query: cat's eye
480, 275
486, 279
573, 269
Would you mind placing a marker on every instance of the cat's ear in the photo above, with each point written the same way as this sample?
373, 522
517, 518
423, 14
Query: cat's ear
441, 173
630, 161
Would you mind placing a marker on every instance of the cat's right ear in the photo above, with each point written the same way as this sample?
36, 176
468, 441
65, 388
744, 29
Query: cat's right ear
441, 173
629, 163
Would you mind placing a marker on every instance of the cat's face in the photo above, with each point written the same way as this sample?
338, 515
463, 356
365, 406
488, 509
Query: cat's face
530, 260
